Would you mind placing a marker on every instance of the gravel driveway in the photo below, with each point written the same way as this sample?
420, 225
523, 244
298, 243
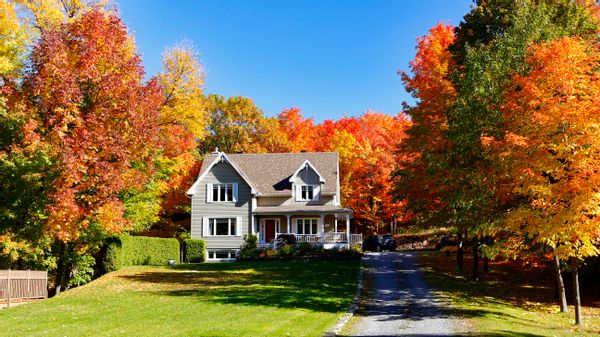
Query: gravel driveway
397, 301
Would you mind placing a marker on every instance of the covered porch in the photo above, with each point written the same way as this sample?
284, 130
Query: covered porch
325, 225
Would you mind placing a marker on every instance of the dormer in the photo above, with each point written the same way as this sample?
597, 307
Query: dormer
306, 183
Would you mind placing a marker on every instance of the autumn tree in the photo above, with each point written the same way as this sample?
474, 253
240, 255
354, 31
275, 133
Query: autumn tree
237, 125
90, 105
551, 152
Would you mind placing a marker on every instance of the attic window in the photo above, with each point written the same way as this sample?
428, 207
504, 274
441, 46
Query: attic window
307, 192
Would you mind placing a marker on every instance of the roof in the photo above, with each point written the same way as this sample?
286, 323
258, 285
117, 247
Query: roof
300, 209
269, 173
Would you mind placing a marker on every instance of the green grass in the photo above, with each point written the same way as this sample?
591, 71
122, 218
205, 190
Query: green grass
511, 300
228, 299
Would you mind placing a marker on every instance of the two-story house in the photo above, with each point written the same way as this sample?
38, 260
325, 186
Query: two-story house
266, 195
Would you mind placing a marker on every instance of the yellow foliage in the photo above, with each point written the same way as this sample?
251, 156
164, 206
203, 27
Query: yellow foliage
13, 39
181, 79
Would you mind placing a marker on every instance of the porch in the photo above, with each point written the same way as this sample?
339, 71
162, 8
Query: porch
325, 225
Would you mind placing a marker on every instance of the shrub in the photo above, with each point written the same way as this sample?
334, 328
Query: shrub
249, 248
139, 250
194, 250
304, 248
287, 250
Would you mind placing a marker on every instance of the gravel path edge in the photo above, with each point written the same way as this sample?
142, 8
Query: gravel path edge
342, 321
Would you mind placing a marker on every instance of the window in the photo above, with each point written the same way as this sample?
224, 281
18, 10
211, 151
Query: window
306, 226
307, 192
222, 227
222, 254
222, 192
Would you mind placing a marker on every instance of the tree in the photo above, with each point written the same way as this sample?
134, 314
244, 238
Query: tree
236, 125
550, 150
99, 119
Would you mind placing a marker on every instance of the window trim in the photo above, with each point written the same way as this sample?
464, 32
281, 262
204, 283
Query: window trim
217, 196
315, 192
211, 223
317, 232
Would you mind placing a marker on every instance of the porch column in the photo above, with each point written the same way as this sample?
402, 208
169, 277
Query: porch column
323, 227
348, 229
289, 223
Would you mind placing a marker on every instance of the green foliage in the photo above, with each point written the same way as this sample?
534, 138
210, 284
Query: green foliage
194, 250
287, 250
112, 258
129, 250
250, 246
82, 271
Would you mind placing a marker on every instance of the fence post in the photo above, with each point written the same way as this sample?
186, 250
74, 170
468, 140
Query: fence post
8, 289
28, 285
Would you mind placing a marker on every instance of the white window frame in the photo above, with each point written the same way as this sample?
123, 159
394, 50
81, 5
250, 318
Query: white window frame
211, 196
210, 226
315, 192
211, 255
304, 224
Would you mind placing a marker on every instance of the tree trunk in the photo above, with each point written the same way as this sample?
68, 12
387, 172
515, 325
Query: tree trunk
560, 285
486, 267
475, 259
63, 268
577, 298
460, 252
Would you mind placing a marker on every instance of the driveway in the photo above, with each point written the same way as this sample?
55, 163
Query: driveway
396, 300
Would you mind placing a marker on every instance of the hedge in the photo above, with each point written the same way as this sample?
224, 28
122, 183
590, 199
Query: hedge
194, 250
128, 250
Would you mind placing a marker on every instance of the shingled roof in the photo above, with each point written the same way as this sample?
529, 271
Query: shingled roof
269, 172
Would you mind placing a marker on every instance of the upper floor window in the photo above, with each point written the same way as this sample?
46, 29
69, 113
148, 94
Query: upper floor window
221, 192
307, 192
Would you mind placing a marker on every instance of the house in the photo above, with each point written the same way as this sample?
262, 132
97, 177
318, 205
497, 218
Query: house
267, 195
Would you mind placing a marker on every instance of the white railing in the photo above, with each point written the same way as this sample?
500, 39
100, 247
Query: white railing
329, 237
356, 238
335, 237
310, 238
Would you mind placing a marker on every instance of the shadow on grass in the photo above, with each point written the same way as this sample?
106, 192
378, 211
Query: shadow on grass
493, 334
317, 286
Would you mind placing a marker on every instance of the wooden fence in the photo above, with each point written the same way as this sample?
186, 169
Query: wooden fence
22, 286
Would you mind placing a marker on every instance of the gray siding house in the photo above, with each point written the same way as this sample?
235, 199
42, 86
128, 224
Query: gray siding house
267, 195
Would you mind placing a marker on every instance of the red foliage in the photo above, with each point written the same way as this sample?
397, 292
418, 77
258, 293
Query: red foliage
99, 118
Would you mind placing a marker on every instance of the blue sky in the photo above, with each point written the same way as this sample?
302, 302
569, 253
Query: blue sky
328, 58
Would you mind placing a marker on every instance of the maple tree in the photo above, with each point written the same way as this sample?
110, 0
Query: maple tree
550, 149
99, 118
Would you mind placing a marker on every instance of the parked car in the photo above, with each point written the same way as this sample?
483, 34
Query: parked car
447, 245
378, 243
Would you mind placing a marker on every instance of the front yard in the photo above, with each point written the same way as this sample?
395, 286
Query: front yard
228, 299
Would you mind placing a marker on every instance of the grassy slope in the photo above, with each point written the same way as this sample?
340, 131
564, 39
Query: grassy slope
510, 301
229, 299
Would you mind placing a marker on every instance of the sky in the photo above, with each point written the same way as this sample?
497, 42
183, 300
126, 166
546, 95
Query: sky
329, 58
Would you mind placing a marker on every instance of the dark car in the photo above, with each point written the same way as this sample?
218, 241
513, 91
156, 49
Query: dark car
377, 243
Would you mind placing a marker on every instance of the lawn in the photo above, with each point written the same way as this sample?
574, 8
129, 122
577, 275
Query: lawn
513, 299
227, 299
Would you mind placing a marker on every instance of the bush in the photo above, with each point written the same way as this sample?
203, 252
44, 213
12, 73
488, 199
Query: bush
249, 248
194, 250
287, 250
139, 250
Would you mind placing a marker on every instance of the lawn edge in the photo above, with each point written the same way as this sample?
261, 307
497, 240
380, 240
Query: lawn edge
342, 321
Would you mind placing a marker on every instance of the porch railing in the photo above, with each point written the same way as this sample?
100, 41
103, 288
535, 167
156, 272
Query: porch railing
329, 237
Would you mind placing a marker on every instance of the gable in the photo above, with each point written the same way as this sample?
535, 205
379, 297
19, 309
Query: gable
220, 169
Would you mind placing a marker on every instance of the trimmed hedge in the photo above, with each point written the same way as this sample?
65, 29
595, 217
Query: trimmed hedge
128, 250
194, 250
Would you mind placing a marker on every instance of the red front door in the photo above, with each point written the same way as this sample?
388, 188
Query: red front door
269, 230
